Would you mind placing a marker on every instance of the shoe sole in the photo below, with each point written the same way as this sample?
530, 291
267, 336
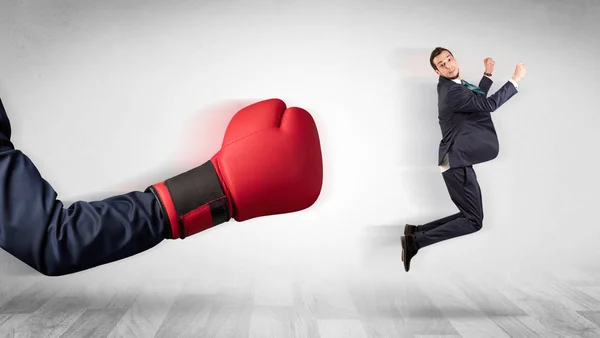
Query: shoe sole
403, 242
406, 265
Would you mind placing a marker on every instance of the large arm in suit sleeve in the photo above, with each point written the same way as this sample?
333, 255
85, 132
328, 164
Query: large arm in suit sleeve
38, 229
463, 100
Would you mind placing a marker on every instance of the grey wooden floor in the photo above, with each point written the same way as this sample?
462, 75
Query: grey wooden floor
212, 301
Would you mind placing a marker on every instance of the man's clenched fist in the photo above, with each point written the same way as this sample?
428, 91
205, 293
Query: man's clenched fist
489, 65
520, 71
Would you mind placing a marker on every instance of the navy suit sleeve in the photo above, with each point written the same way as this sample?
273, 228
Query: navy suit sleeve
485, 84
36, 228
462, 100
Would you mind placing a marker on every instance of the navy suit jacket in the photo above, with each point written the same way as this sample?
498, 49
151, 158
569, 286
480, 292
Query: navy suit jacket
468, 133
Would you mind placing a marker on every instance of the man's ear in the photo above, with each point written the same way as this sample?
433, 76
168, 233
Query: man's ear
437, 72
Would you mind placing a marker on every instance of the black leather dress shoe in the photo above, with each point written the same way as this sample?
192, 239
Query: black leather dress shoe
409, 250
410, 229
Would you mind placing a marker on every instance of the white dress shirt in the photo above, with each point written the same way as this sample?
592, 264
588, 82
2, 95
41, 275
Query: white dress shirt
445, 163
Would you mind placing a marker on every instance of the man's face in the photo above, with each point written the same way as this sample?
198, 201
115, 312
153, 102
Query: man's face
446, 65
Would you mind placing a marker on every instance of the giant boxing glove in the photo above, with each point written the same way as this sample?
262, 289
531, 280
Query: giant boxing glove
270, 163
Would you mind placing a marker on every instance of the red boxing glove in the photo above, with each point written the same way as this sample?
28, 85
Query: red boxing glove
270, 163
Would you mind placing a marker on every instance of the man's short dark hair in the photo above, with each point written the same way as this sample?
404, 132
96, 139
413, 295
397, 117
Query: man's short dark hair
437, 51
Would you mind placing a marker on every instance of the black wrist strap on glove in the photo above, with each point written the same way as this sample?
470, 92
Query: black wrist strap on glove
192, 201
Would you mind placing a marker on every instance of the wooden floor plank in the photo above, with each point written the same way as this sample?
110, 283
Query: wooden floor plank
94, 324
11, 287
273, 321
554, 312
31, 298
488, 298
397, 301
335, 328
10, 322
224, 310
464, 315
515, 327
148, 311
592, 316
304, 322
53, 318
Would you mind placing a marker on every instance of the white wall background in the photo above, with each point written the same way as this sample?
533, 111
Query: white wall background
111, 96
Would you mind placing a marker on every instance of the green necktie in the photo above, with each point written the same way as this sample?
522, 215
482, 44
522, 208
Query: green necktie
472, 87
